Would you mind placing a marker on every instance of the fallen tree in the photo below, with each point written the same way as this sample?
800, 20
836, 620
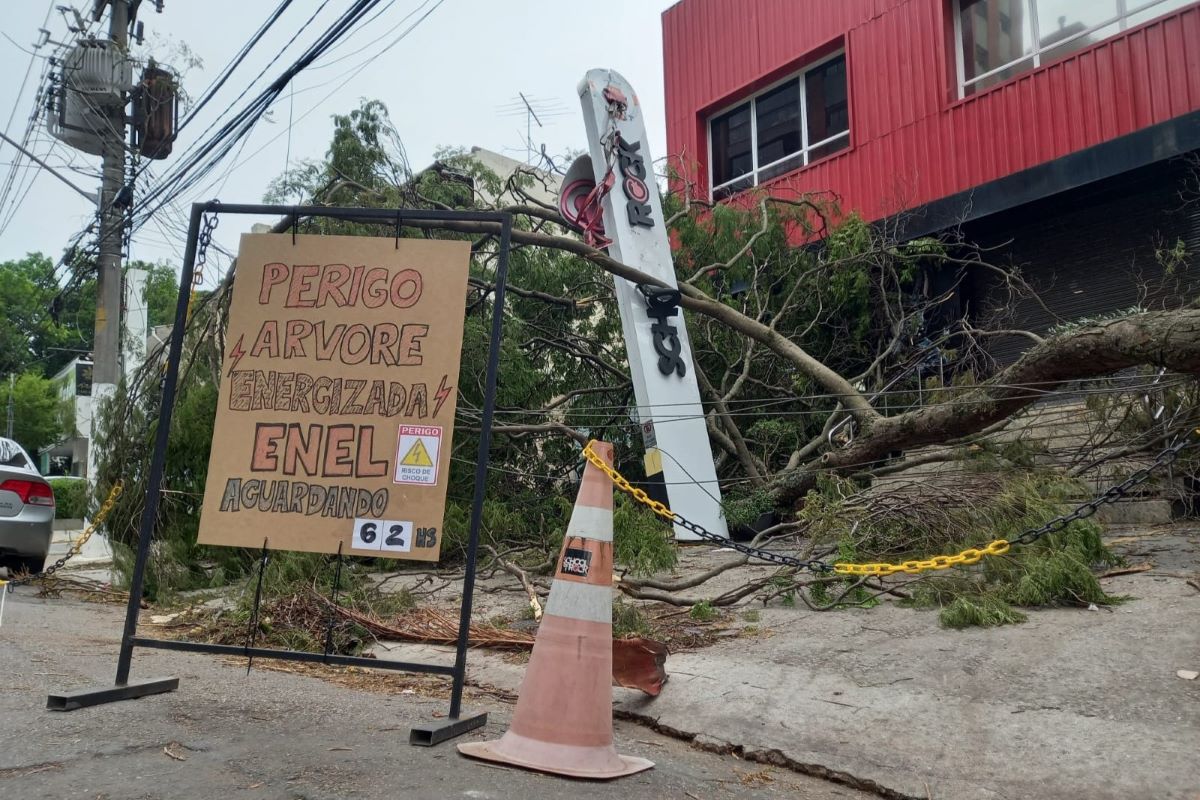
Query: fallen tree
1169, 339
839, 358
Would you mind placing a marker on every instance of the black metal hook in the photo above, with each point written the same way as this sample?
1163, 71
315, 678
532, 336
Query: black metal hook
659, 297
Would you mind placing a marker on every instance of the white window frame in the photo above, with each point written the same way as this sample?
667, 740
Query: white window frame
1034, 59
806, 147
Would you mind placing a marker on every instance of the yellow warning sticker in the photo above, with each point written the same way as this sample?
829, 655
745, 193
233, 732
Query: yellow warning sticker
653, 461
417, 450
417, 455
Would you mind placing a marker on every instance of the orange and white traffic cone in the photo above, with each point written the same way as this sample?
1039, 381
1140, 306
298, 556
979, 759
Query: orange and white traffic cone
563, 721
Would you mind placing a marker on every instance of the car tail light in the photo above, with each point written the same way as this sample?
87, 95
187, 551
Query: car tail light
31, 493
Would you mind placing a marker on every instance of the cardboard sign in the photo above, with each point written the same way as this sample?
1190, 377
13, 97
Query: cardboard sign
338, 391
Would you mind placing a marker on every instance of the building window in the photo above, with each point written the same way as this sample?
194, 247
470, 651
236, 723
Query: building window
782, 128
998, 39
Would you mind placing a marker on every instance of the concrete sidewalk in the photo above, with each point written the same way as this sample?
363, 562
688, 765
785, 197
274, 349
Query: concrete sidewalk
1072, 704
96, 550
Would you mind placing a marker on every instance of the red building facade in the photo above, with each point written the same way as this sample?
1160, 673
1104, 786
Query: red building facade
936, 99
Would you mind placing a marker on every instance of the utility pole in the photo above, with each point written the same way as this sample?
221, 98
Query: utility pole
106, 358
107, 369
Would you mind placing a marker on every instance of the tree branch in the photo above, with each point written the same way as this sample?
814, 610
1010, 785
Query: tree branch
1168, 339
692, 299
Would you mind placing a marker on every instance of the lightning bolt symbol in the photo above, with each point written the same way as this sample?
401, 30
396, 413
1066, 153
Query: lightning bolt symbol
443, 392
236, 354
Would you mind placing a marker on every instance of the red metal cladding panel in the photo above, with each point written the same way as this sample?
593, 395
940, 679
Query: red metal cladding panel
912, 140
1105, 91
1007, 109
1139, 89
1122, 99
866, 94
1162, 90
965, 149
1091, 132
1190, 60
1051, 94
1178, 93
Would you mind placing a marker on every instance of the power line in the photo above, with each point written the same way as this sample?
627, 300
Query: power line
331, 62
211, 152
757, 407
180, 180
236, 61
28, 69
26, 179
11, 177
224, 130
347, 76
50, 169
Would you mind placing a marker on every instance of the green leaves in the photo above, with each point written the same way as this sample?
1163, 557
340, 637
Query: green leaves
27, 327
70, 498
37, 411
45, 325
642, 542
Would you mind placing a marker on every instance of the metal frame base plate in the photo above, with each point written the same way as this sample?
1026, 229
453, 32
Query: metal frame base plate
69, 701
437, 732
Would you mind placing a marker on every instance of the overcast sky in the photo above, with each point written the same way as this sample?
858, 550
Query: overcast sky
450, 82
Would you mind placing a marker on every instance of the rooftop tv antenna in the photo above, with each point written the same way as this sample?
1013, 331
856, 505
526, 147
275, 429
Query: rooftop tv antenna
534, 110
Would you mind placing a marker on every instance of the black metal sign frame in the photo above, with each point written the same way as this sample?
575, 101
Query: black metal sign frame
456, 722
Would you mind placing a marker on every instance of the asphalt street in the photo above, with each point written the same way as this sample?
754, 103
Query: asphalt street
270, 734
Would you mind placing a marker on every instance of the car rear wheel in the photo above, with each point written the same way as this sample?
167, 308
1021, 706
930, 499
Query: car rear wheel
18, 565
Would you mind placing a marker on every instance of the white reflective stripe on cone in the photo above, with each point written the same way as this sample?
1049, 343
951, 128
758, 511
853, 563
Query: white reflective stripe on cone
591, 523
581, 601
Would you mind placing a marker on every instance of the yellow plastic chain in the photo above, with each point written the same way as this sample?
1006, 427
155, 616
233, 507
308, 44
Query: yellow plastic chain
624, 485
95, 524
972, 555
101, 515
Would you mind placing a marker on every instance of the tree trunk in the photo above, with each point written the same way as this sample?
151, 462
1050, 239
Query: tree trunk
1168, 339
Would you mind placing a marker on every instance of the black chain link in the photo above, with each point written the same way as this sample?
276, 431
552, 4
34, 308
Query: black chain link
815, 565
48, 571
211, 221
101, 516
36, 576
1110, 495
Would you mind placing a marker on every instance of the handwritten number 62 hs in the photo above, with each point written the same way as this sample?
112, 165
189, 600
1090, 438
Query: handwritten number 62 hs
426, 537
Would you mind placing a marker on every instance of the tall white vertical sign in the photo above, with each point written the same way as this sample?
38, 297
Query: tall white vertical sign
135, 322
660, 355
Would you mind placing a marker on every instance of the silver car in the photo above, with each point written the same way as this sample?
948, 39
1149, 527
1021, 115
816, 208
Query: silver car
26, 511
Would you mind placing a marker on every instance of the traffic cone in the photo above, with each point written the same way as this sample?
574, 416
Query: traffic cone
563, 721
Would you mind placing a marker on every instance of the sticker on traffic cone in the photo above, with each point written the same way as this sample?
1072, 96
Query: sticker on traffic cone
563, 721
